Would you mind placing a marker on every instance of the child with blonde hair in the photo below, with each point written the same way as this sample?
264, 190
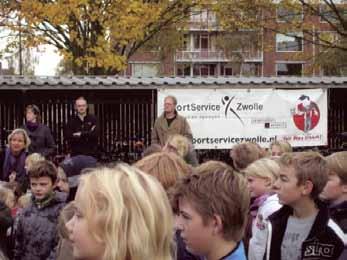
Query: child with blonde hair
31, 159
261, 176
24, 201
181, 145
7, 197
64, 249
178, 144
121, 213
277, 148
153, 148
166, 167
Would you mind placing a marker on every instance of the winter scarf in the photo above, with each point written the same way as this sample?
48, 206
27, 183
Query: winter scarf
13, 163
32, 126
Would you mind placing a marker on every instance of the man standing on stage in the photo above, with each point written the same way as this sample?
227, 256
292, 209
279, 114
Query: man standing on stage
169, 123
82, 130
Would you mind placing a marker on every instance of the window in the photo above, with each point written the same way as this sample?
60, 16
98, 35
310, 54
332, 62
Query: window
289, 69
251, 69
327, 13
183, 70
203, 16
226, 70
290, 42
201, 41
186, 42
145, 70
289, 14
204, 70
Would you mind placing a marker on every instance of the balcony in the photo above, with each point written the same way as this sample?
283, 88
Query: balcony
217, 56
203, 20
203, 25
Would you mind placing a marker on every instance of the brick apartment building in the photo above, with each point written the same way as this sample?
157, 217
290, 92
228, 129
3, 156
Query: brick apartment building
274, 54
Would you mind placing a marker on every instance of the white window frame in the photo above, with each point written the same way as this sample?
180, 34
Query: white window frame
133, 64
202, 35
294, 33
283, 21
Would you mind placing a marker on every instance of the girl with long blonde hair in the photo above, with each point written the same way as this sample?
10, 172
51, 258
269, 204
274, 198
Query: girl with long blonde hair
121, 214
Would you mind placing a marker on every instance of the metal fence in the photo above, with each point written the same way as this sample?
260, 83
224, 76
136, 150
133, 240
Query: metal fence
125, 118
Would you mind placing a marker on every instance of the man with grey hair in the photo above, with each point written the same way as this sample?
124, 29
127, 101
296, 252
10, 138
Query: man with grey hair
169, 123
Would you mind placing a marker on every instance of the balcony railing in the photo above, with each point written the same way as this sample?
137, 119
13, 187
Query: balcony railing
202, 20
203, 25
216, 56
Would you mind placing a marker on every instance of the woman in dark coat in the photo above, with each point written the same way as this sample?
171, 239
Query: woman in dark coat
42, 141
12, 159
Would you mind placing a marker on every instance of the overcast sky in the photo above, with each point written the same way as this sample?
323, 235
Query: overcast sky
48, 59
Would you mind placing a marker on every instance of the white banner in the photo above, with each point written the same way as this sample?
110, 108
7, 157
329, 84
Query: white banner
221, 118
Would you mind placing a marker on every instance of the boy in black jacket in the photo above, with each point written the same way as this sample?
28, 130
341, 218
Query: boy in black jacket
302, 229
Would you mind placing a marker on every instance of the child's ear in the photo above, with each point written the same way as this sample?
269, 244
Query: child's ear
217, 224
307, 187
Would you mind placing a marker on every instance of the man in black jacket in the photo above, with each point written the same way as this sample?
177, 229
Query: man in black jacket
81, 131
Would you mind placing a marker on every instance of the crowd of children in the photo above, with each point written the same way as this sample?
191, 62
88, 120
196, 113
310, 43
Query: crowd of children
274, 204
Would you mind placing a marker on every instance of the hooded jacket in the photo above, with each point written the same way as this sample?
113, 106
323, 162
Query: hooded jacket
257, 243
36, 236
325, 239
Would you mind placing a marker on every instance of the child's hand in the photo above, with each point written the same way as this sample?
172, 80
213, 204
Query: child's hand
12, 177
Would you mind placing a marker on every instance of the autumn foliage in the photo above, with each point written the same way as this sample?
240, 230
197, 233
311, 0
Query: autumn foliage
95, 36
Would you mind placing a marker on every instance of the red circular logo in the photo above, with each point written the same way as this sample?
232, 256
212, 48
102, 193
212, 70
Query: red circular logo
306, 115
